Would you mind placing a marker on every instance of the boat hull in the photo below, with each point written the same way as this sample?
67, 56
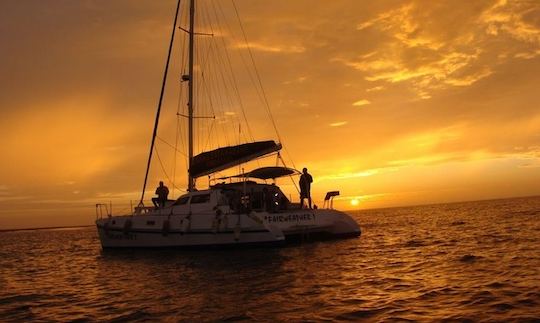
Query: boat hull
177, 231
215, 228
314, 224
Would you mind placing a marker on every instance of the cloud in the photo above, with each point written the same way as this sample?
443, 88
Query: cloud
508, 17
360, 103
358, 174
338, 124
469, 79
528, 55
452, 68
403, 26
376, 88
412, 52
286, 49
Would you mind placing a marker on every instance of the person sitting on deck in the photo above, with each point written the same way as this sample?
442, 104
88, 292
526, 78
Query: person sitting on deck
162, 193
305, 187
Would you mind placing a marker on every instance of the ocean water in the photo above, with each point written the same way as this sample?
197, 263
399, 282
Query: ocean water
474, 261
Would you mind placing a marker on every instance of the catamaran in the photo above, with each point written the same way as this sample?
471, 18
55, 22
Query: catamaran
238, 210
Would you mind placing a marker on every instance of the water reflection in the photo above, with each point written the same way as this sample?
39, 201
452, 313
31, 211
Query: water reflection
460, 261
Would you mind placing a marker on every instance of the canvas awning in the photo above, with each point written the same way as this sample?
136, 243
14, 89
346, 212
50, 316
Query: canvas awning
271, 172
222, 158
267, 173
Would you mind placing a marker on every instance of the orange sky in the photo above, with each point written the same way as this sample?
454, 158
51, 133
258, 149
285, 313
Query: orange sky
391, 102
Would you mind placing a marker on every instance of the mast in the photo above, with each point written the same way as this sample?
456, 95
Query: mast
191, 182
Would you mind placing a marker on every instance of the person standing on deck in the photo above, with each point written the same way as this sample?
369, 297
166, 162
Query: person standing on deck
305, 187
162, 192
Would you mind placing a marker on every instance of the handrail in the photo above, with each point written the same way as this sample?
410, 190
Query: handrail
99, 210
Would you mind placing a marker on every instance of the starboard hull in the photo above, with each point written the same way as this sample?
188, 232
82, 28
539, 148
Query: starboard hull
313, 224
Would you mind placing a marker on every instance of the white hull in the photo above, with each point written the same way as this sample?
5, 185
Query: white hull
205, 230
150, 231
202, 219
327, 223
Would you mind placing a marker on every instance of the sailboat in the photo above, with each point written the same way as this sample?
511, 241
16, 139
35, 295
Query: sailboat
240, 210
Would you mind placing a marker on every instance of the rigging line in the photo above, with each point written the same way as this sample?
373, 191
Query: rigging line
205, 96
218, 85
165, 172
178, 132
209, 67
221, 91
206, 82
181, 103
210, 103
202, 18
174, 155
290, 176
260, 82
203, 81
249, 72
286, 150
220, 105
196, 98
170, 145
256, 70
209, 134
231, 73
154, 134
184, 145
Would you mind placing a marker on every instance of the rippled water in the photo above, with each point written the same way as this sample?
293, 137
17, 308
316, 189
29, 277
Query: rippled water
468, 261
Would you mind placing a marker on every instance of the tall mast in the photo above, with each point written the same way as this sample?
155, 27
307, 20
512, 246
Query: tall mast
191, 181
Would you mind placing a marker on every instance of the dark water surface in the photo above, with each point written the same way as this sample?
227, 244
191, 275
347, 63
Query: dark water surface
468, 261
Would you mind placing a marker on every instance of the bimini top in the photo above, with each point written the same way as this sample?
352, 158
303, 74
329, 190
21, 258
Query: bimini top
270, 172
222, 158
267, 173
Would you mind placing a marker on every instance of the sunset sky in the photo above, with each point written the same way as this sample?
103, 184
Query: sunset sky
391, 102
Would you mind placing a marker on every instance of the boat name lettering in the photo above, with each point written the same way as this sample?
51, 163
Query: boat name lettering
290, 217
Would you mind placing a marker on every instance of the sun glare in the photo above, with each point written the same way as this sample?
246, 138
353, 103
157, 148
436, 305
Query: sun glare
355, 202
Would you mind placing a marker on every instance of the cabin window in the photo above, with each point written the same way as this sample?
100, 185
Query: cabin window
150, 222
199, 199
182, 200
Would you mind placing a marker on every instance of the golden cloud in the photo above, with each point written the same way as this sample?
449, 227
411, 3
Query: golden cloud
360, 103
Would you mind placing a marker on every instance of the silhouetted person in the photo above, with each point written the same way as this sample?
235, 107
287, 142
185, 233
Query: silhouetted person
305, 187
162, 193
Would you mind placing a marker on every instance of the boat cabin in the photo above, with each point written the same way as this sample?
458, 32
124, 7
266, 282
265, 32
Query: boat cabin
238, 197
249, 195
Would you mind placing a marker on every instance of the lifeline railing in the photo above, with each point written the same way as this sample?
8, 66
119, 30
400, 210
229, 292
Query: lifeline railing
329, 199
100, 207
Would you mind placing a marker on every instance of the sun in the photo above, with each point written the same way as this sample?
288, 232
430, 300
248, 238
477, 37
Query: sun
355, 202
